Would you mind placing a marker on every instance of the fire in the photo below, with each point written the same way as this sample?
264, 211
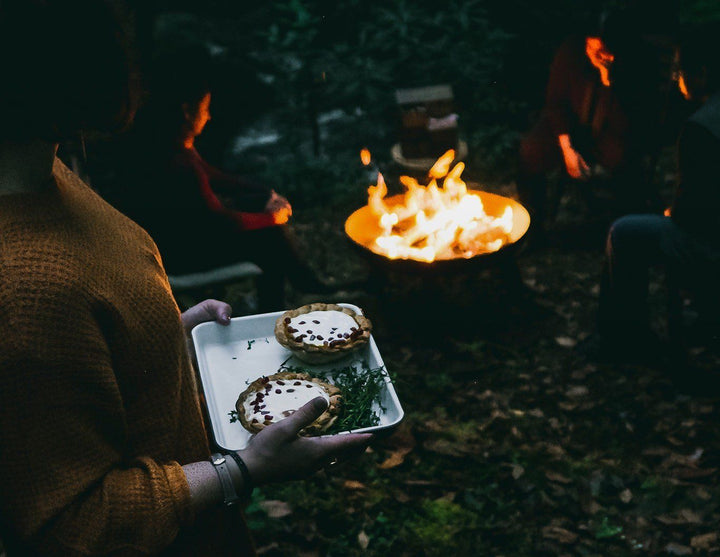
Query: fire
365, 157
600, 57
436, 222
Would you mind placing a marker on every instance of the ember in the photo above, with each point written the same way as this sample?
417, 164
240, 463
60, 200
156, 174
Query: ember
432, 222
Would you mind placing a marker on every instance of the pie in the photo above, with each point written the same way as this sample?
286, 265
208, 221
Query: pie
318, 333
272, 398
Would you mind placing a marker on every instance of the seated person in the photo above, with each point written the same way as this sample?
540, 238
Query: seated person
199, 216
687, 241
585, 127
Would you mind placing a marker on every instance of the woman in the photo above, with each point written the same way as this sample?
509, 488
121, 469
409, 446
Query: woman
103, 448
170, 184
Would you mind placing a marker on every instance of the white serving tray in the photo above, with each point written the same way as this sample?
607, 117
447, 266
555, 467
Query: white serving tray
233, 356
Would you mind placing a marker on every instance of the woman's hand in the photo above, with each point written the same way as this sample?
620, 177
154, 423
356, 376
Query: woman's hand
278, 453
207, 310
278, 203
574, 162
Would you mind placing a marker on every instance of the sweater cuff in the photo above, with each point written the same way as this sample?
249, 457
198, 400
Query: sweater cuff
180, 493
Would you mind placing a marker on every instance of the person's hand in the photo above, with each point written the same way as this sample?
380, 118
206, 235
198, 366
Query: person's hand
278, 453
207, 310
281, 216
575, 164
278, 203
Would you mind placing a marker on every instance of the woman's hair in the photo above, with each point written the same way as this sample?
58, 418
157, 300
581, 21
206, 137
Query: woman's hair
179, 76
697, 50
65, 68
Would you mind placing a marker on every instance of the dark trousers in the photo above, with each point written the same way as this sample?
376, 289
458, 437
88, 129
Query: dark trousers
635, 243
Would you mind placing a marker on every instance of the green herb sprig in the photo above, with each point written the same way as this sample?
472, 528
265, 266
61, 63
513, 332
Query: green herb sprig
361, 390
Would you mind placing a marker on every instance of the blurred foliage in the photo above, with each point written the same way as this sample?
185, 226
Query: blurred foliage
700, 11
300, 59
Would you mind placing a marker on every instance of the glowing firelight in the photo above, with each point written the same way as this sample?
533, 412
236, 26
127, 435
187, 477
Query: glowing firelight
600, 57
436, 222
365, 157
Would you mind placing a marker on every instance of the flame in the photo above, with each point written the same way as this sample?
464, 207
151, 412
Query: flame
365, 157
682, 85
442, 165
600, 57
436, 222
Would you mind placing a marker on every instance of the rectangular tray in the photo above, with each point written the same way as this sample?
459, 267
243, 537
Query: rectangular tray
233, 356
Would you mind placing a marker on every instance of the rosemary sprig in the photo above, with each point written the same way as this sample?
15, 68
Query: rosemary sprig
361, 390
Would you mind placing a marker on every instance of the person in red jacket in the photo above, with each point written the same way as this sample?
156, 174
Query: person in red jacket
199, 216
598, 121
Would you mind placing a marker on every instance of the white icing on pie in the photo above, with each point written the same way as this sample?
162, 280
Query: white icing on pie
322, 328
279, 398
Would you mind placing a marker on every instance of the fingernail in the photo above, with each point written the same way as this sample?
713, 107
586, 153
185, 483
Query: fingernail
320, 403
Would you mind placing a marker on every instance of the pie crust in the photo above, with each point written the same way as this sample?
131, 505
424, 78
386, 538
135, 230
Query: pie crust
294, 333
272, 398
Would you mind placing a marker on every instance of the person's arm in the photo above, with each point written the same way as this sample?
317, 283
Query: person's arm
248, 195
574, 162
68, 487
558, 106
193, 177
277, 453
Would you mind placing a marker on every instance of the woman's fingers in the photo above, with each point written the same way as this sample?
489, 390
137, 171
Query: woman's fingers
305, 415
207, 310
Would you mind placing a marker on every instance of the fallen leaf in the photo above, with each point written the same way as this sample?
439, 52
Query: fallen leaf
685, 516
703, 494
363, 540
704, 541
693, 473
402, 497
517, 471
559, 478
690, 516
447, 447
399, 445
396, 458
267, 548
676, 549
577, 391
559, 534
566, 342
626, 496
352, 484
275, 509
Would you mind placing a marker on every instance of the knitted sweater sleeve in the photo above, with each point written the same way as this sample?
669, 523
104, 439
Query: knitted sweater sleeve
67, 489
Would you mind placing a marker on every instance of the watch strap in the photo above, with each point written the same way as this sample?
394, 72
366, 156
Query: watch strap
229, 493
248, 485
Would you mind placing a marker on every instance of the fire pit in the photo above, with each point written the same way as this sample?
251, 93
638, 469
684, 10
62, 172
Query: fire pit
436, 225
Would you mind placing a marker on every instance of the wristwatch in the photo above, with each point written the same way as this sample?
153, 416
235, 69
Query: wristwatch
231, 496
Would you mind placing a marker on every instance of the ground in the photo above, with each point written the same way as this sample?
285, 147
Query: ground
515, 441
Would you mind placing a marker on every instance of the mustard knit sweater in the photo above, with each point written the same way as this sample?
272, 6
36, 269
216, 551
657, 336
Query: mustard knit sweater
98, 409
